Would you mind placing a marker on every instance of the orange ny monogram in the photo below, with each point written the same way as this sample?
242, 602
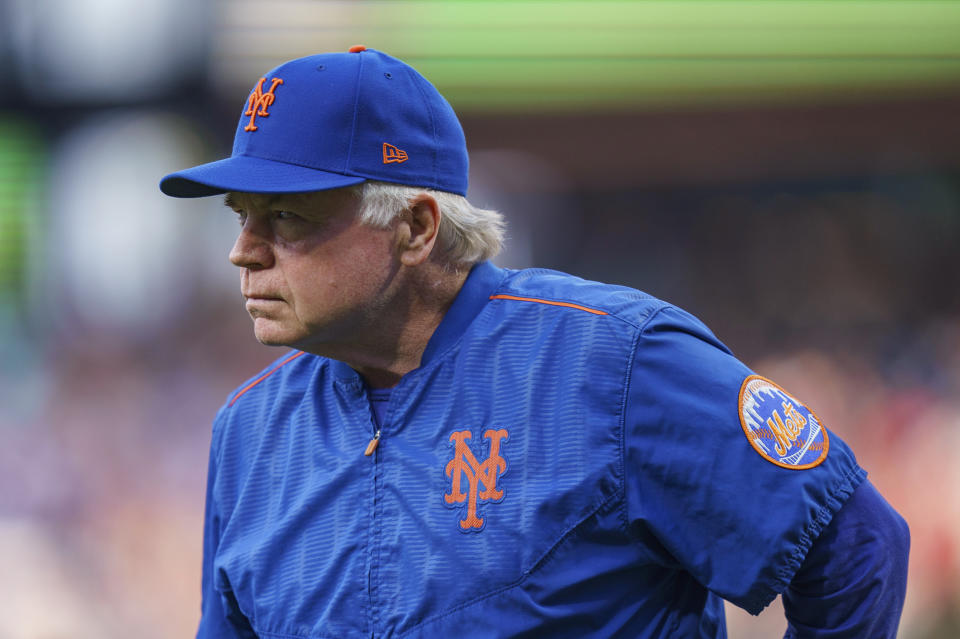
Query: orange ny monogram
464, 464
258, 102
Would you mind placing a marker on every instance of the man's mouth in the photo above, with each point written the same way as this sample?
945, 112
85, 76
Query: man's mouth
261, 296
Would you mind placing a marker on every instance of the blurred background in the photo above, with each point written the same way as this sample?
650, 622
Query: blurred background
787, 171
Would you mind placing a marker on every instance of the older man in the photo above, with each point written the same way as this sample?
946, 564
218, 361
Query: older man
455, 449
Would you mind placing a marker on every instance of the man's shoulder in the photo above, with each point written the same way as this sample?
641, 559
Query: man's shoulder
559, 289
292, 369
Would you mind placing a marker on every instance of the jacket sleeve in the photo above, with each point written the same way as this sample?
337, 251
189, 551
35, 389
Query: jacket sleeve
737, 519
220, 617
853, 580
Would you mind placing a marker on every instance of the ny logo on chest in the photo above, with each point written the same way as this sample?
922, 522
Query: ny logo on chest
465, 468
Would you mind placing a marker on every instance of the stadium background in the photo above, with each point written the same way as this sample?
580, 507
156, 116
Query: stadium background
788, 171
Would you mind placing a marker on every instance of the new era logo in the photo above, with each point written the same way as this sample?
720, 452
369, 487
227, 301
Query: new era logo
393, 154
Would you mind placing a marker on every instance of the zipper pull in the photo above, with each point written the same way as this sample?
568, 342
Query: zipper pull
372, 446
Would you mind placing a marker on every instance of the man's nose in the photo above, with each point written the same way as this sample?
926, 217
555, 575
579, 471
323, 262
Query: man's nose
253, 248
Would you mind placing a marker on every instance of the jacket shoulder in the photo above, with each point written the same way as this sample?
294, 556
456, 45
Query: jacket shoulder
559, 289
288, 369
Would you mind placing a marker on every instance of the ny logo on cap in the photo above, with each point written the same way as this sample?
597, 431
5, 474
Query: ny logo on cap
258, 102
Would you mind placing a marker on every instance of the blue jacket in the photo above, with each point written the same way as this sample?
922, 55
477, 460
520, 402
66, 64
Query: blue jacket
571, 459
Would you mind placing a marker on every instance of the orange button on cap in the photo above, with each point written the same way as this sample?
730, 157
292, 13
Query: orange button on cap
357, 48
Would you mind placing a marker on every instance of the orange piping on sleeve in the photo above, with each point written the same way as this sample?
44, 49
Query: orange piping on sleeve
264, 376
551, 303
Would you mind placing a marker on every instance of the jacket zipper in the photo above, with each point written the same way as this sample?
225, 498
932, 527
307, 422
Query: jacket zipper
372, 446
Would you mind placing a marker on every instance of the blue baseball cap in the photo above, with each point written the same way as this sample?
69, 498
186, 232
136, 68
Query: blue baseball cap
332, 120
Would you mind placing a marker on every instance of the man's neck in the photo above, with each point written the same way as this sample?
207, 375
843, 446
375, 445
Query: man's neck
395, 342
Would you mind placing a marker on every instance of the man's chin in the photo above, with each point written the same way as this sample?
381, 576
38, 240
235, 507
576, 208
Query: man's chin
272, 341
270, 335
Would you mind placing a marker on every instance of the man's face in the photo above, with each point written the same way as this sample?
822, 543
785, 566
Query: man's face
313, 275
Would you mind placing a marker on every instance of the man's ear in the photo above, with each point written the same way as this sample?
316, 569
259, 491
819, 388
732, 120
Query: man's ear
417, 230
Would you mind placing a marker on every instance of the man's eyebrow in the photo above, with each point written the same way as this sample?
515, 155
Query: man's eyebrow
230, 200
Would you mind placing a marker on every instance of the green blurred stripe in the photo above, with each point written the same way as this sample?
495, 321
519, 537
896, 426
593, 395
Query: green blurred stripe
21, 168
623, 50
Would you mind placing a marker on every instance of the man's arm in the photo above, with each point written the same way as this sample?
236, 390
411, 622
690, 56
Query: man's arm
220, 617
854, 578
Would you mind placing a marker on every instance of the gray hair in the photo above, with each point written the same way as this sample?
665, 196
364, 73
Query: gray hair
467, 234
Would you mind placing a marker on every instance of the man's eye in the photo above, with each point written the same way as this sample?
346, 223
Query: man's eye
284, 215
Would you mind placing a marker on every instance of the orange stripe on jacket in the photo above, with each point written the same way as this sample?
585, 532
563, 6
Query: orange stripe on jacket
264, 376
551, 303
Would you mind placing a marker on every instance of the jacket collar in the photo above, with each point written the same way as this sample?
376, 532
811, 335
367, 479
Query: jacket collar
482, 281
484, 278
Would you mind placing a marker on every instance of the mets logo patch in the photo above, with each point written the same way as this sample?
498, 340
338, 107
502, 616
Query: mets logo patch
473, 481
780, 428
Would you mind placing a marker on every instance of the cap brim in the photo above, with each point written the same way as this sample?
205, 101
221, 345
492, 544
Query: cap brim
251, 175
